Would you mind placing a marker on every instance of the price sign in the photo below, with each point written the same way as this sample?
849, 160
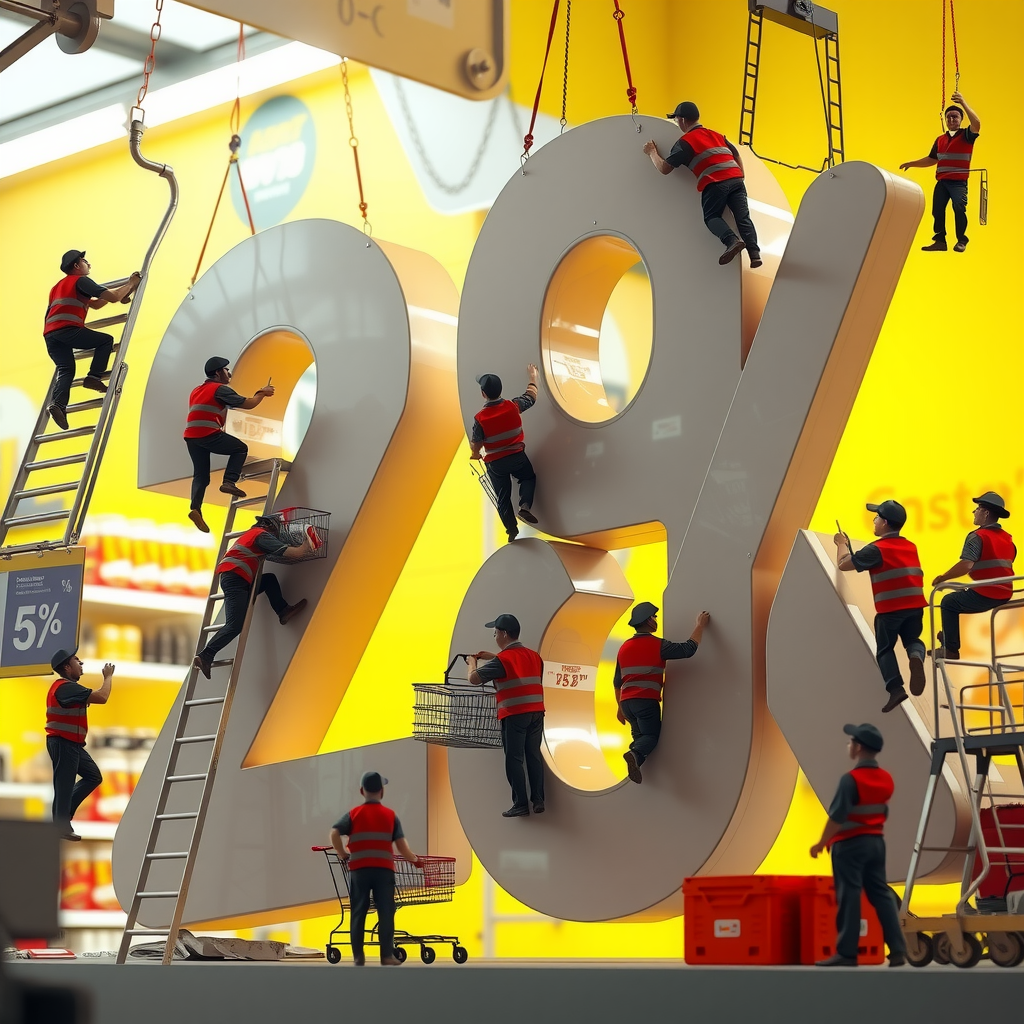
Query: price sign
40, 609
559, 676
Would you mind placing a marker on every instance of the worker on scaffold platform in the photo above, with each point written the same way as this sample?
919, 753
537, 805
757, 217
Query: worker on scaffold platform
498, 431
988, 553
718, 168
64, 329
951, 157
205, 435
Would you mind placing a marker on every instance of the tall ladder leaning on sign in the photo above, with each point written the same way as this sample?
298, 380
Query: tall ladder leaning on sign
81, 485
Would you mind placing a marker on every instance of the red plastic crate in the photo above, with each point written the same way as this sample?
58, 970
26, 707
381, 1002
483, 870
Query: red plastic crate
1006, 873
818, 924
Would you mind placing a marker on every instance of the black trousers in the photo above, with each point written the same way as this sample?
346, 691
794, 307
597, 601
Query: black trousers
201, 448
644, 717
962, 602
236, 601
859, 863
501, 472
947, 192
61, 345
520, 737
713, 201
379, 883
71, 762
892, 626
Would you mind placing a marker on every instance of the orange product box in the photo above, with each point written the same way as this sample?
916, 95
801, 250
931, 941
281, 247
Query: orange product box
76, 880
818, 924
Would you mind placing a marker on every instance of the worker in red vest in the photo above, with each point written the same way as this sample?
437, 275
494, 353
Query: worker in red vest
371, 830
518, 677
64, 329
205, 435
718, 168
75, 773
988, 554
237, 573
498, 433
640, 678
897, 582
854, 834
951, 157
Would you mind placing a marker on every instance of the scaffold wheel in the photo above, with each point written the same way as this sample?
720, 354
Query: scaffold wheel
333, 955
965, 957
1005, 948
920, 949
400, 954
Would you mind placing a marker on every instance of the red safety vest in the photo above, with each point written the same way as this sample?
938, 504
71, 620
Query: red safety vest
373, 825
502, 425
641, 667
874, 790
522, 690
205, 414
68, 723
997, 554
898, 583
712, 157
67, 308
954, 156
243, 556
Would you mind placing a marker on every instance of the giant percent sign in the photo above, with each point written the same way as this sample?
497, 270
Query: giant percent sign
722, 452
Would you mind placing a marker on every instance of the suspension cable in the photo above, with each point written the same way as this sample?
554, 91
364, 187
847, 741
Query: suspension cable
619, 15
528, 137
829, 162
147, 69
956, 59
565, 66
354, 146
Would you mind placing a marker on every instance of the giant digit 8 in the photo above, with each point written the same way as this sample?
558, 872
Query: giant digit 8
726, 460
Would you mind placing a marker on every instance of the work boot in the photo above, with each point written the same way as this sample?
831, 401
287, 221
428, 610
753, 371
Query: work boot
203, 664
515, 812
934, 247
959, 247
896, 698
632, 768
942, 651
197, 518
359, 961
755, 261
897, 960
538, 808
527, 516
290, 612
917, 680
512, 534
94, 384
72, 837
731, 253
389, 961
837, 961
229, 487
58, 415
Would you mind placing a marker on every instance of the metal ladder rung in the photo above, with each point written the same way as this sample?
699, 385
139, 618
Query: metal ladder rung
167, 856
64, 460
35, 492
92, 403
215, 597
200, 701
222, 663
64, 435
39, 517
79, 381
157, 895
87, 353
209, 738
195, 777
146, 931
234, 534
108, 321
260, 499
178, 816
213, 628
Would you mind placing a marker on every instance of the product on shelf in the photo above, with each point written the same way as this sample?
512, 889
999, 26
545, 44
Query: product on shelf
103, 897
76, 878
115, 789
144, 740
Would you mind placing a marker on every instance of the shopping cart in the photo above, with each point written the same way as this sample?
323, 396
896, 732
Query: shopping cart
485, 482
298, 522
456, 713
432, 882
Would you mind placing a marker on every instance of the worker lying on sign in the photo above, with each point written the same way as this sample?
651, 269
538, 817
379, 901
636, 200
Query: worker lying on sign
718, 168
988, 553
518, 677
897, 582
951, 157
205, 435
854, 834
498, 431
75, 773
64, 329
640, 678
237, 573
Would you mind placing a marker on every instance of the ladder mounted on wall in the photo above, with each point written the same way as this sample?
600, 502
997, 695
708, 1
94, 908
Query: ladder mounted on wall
820, 24
35, 477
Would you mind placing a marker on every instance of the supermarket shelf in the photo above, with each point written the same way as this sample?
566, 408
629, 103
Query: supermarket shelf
92, 918
95, 829
149, 670
150, 600
26, 791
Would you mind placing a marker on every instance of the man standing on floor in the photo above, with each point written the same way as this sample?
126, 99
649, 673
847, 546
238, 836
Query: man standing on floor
498, 430
372, 830
75, 773
988, 553
64, 329
640, 679
951, 157
854, 834
897, 582
205, 435
518, 677
718, 168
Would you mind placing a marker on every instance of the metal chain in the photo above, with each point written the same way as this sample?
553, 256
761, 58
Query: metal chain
147, 69
565, 66
354, 145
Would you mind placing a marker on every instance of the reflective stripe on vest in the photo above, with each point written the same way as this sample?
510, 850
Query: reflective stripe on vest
68, 723
641, 667
205, 414
997, 554
521, 692
502, 425
874, 790
65, 308
954, 156
243, 557
369, 842
898, 583
712, 157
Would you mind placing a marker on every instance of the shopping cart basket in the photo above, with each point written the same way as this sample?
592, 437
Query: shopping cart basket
485, 482
298, 522
455, 713
433, 881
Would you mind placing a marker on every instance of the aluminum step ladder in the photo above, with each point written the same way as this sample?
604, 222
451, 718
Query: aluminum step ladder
82, 461
189, 775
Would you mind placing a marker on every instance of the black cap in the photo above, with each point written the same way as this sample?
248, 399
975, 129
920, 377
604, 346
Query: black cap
642, 612
867, 735
373, 782
686, 110
994, 503
70, 258
506, 622
891, 511
215, 363
490, 384
61, 656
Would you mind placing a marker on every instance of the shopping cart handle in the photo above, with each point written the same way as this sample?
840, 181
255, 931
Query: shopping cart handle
320, 849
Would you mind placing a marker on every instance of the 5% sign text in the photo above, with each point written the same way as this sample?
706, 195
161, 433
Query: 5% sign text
36, 622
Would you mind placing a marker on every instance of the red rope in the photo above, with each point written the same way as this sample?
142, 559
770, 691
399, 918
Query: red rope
942, 82
630, 88
528, 137
956, 56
